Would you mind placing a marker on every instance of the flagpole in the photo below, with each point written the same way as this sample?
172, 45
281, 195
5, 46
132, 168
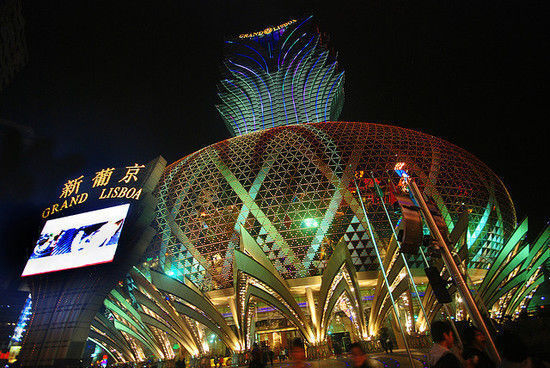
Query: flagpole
382, 269
454, 271
399, 246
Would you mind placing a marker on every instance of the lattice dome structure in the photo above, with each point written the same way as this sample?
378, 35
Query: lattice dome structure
292, 188
279, 76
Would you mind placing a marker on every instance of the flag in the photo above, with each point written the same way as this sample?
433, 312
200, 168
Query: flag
377, 189
463, 250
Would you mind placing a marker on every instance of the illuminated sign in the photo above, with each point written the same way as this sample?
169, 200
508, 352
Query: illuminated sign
399, 166
108, 183
400, 169
268, 30
21, 326
79, 240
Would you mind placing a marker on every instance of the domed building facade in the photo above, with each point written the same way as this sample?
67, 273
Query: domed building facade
292, 188
264, 237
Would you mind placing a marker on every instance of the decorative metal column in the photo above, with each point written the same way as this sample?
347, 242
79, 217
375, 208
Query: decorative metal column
399, 246
382, 269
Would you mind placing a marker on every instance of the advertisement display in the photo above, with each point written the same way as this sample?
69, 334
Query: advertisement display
84, 239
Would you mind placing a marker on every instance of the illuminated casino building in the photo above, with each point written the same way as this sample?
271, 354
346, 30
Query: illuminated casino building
279, 76
283, 230
262, 237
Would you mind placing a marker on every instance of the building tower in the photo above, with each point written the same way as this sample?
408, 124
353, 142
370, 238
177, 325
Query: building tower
13, 48
279, 76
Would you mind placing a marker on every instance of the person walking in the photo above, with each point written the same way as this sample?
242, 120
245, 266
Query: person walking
389, 345
359, 358
298, 354
514, 352
265, 353
180, 363
440, 355
383, 344
270, 355
256, 358
474, 349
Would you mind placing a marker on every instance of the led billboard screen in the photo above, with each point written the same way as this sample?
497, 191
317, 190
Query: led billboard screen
84, 239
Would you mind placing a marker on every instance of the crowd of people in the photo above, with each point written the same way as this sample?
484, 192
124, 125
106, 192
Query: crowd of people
387, 345
446, 354
262, 356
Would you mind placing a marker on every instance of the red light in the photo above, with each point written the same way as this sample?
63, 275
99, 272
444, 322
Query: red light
399, 166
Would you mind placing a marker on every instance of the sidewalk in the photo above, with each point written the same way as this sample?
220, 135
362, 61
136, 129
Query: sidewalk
398, 359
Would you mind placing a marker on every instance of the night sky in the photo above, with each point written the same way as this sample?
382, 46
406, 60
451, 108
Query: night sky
110, 83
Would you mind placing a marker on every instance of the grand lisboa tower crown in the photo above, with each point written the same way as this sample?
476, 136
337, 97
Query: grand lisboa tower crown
279, 76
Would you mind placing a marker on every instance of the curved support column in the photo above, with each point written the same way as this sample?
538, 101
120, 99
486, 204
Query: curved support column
338, 277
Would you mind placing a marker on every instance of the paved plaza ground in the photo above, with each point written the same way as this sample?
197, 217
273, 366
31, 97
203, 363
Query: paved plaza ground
379, 360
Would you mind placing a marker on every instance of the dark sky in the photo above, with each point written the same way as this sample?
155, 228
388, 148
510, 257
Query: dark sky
116, 82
